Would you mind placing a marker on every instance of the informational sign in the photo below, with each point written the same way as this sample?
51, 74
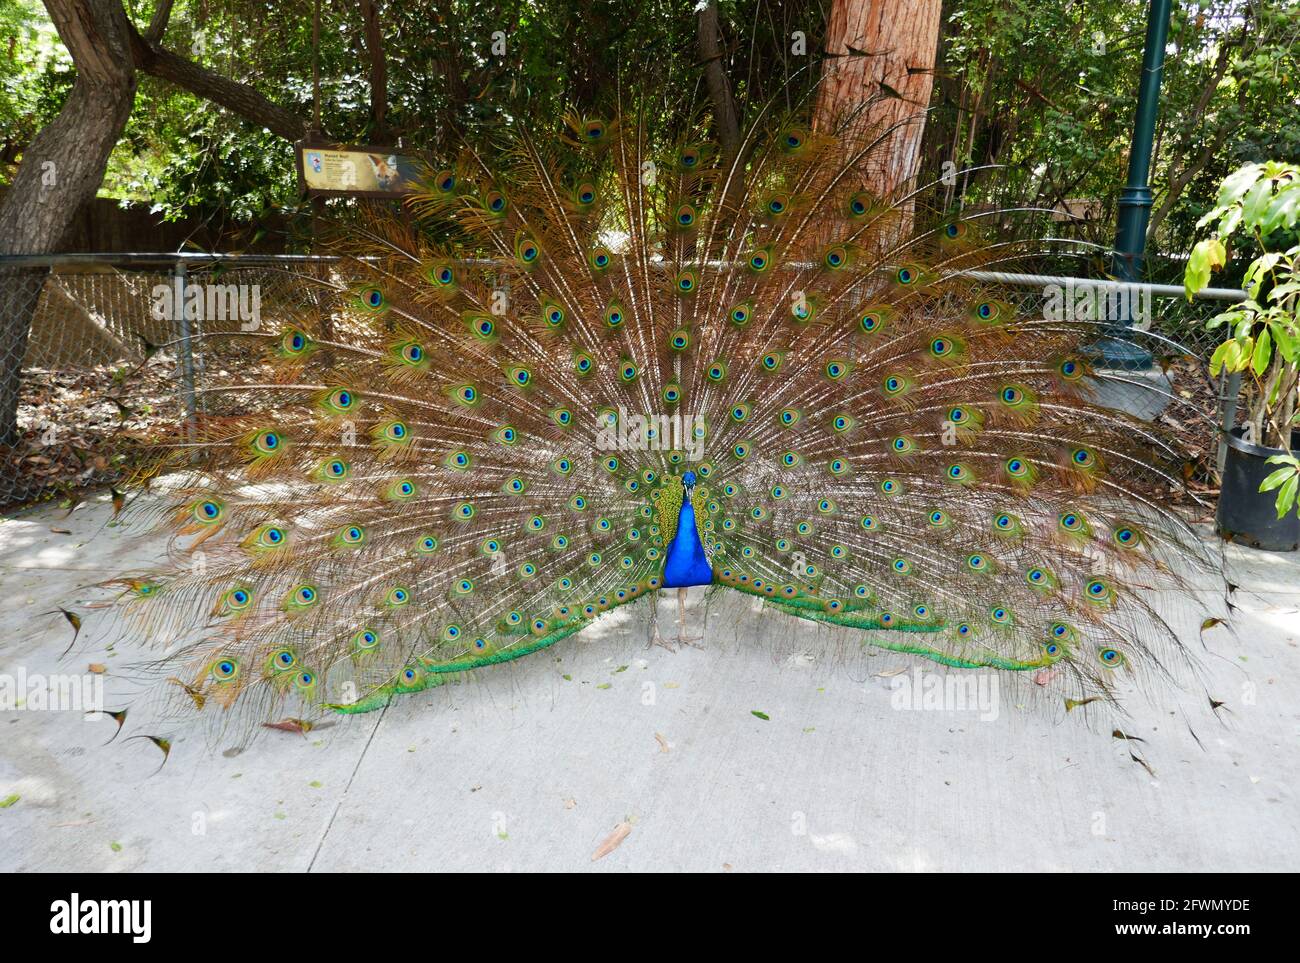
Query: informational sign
356, 171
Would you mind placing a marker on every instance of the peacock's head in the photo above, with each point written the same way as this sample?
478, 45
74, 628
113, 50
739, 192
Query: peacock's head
688, 480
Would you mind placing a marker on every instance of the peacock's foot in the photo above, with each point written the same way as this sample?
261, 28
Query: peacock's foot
657, 639
692, 640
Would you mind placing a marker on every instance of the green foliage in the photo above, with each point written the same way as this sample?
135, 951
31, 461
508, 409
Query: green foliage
1261, 202
1286, 481
35, 74
1048, 88
446, 84
1044, 88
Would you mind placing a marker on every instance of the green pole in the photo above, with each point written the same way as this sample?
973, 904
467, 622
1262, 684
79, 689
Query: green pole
1135, 198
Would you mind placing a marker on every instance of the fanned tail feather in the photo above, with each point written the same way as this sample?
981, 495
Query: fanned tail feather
481, 449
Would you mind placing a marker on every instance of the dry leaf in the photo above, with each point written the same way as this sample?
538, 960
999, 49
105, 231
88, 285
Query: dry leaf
612, 841
97, 667
890, 673
663, 743
289, 725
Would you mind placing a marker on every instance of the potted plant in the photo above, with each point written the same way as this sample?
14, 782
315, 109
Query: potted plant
1261, 476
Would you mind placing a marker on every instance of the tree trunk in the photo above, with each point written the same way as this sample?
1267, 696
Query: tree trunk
946, 117
726, 118
883, 81
715, 75
378, 63
61, 171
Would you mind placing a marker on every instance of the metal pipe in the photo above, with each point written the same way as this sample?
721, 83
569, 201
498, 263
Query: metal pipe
1157, 290
1135, 198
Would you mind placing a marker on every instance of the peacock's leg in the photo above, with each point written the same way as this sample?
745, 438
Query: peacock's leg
655, 637
682, 637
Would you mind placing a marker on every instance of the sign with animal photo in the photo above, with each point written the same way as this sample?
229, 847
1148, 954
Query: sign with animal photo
356, 171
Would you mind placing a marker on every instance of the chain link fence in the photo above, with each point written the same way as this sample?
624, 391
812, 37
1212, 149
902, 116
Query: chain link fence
108, 351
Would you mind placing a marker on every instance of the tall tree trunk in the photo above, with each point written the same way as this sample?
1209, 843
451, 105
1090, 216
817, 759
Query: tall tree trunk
61, 171
945, 116
715, 75
878, 73
378, 63
726, 118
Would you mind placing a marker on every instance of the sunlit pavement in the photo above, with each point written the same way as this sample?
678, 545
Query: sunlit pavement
532, 765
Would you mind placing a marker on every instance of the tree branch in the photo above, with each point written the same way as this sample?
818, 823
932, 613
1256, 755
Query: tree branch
158, 25
152, 58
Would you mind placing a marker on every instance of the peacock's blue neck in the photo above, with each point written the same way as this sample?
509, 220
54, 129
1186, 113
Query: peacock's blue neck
686, 564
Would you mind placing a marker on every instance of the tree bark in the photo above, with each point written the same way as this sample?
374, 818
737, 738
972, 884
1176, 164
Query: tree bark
61, 170
378, 71
726, 118
885, 80
715, 76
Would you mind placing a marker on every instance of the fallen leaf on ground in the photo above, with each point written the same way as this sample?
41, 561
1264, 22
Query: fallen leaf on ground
612, 841
289, 725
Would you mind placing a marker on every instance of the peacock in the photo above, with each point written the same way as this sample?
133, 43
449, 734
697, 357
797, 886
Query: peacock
600, 365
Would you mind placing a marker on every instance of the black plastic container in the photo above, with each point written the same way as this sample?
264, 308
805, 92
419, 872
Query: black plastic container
1246, 513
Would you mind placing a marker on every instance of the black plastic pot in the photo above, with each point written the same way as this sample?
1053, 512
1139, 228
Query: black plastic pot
1245, 513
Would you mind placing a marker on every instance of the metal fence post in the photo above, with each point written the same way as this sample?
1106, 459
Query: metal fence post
187, 346
1229, 391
